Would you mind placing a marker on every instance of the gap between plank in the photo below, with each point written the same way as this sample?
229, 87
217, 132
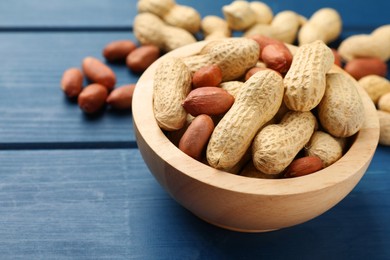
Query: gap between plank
52, 29
70, 145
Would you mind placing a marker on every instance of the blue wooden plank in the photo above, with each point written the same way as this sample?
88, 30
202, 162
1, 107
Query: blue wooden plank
54, 205
64, 13
121, 13
33, 107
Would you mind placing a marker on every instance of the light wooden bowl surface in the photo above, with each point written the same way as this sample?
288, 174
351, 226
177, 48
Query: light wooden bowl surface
242, 203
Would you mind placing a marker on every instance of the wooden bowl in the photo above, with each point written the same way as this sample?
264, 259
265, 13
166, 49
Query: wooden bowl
242, 203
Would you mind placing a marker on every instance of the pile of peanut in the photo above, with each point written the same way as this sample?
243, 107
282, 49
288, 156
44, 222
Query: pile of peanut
101, 79
248, 105
288, 119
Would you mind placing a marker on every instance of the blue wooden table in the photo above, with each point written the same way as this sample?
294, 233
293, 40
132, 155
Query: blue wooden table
75, 187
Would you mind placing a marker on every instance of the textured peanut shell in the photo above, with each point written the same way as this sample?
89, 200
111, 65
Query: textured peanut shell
341, 110
250, 171
384, 102
257, 102
232, 87
305, 81
184, 17
325, 24
234, 56
326, 147
382, 34
365, 45
264, 13
214, 27
157, 7
172, 83
284, 27
259, 29
239, 15
276, 145
384, 123
375, 86
150, 29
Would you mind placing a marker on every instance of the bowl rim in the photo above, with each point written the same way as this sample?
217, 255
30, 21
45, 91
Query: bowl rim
355, 160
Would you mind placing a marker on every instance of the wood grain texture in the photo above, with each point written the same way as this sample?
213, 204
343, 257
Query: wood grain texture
110, 207
25, 14
119, 14
60, 198
33, 107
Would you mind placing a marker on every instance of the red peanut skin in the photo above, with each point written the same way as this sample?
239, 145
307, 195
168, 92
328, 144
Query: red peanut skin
142, 57
252, 71
92, 98
303, 166
72, 82
208, 76
121, 98
98, 72
337, 58
263, 41
208, 100
273, 53
277, 57
361, 67
195, 138
117, 51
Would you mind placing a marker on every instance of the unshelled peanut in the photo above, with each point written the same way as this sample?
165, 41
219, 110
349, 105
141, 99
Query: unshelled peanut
264, 13
384, 123
341, 110
276, 145
181, 16
325, 25
374, 45
384, 102
257, 102
214, 27
150, 29
232, 87
326, 147
239, 15
250, 170
171, 85
375, 86
284, 27
157, 7
305, 81
234, 56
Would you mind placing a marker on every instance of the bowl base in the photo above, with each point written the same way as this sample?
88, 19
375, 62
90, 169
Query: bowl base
238, 229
